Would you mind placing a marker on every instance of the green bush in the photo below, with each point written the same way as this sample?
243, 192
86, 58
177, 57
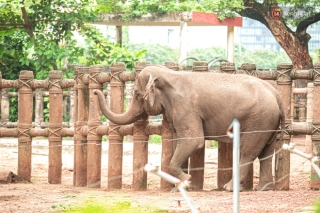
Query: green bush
156, 139
156, 53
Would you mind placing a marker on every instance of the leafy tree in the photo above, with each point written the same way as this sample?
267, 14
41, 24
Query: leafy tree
47, 26
156, 53
100, 50
289, 29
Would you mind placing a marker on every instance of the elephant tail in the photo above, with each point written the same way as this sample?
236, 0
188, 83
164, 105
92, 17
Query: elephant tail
282, 131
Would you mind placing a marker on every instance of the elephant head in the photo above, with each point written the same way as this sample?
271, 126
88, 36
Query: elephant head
145, 99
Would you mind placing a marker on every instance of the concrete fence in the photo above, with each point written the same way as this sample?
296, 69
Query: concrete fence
86, 126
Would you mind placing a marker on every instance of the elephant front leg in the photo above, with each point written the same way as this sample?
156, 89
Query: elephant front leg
187, 142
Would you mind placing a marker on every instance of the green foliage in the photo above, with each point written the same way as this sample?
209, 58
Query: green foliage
46, 109
156, 139
100, 50
214, 144
11, 49
13, 109
264, 59
156, 53
107, 207
137, 8
47, 27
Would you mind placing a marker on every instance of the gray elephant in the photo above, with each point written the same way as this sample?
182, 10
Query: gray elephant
199, 106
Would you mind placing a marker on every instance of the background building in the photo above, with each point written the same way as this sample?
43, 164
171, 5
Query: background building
254, 35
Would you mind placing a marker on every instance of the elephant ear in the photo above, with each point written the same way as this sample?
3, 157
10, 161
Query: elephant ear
150, 91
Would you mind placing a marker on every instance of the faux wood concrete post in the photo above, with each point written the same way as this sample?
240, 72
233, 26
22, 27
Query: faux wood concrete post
55, 126
115, 156
5, 104
249, 69
302, 110
38, 108
196, 165
224, 173
25, 107
315, 179
72, 107
81, 115
167, 142
75, 115
310, 97
282, 179
167, 153
140, 146
129, 93
94, 140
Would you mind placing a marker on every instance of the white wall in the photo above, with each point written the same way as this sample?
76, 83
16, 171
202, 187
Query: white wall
198, 37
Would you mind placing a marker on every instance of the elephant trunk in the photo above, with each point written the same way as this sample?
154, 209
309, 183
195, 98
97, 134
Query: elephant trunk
131, 115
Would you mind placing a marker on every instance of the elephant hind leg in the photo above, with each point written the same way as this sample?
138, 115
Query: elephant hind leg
266, 179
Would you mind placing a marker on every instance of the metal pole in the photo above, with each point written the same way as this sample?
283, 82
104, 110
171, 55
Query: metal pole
181, 185
236, 168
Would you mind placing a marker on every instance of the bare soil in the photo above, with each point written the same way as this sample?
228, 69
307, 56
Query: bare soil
39, 196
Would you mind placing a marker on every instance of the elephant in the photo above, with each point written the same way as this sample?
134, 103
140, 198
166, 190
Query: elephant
201, 105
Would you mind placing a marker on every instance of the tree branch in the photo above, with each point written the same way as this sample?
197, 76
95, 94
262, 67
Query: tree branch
304, 24
26, 20
13, 25
253, 10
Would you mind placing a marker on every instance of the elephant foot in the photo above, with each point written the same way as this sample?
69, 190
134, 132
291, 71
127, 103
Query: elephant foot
229, 187
182, 177
264, 186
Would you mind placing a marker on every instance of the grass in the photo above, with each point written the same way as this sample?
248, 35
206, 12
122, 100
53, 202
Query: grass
107, 207
317, 205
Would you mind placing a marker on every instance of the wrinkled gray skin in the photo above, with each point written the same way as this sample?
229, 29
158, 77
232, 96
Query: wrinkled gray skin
200, 105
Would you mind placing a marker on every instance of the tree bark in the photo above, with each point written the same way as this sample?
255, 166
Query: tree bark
294, 43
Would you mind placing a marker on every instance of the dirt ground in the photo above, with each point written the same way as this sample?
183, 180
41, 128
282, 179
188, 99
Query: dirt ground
39, 196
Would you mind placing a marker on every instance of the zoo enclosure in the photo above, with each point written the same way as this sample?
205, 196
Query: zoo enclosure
88, 128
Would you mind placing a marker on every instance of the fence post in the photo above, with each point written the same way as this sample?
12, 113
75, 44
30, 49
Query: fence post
196, 166
129, 93
75, 115
310, 95
167, 142
140, 145
72, 107
315, 179
5, 104
94, 140
81, 117
225, 158
302, 110
25, 107
38, 109
55, 126
282, 178
249, 69
115, 156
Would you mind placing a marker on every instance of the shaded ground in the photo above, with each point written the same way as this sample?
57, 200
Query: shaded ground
39, 196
